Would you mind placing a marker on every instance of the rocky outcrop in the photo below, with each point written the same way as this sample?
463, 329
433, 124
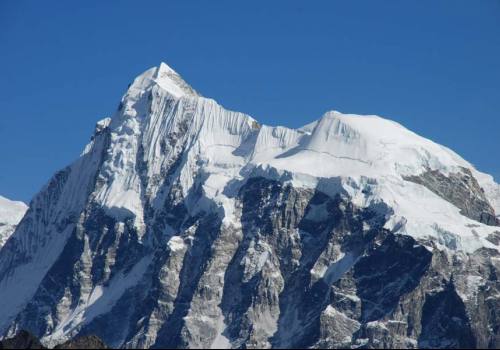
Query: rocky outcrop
462, 190
86, 342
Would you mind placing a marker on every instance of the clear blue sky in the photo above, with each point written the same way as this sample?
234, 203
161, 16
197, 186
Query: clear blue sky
434, 66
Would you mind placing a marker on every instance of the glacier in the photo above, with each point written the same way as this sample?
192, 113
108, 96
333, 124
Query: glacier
184, 224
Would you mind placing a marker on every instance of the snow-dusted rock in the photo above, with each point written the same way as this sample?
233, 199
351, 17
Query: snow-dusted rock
183, 224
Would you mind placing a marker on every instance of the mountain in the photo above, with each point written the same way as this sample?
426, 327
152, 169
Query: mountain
10, 214
183, 224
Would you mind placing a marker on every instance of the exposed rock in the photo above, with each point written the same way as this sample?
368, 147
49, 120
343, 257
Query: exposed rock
462, 190
85, 342
494, 237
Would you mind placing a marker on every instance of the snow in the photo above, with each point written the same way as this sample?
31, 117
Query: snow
351, 145
11, 212
170, 81
471, 288
336, 270
176, 243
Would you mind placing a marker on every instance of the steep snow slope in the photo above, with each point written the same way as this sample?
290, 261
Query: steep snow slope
10, 215
184, 224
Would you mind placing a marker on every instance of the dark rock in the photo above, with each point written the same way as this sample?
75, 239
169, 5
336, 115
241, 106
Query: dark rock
85, 342
494, 237
22, 340
26, 340
445, 322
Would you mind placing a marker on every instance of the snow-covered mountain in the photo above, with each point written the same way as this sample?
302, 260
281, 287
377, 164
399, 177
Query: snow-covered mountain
183, 224
10, 214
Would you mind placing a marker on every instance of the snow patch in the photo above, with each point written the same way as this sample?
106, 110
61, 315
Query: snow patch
176, 243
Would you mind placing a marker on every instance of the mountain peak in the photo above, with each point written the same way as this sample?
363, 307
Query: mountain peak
170, 80
163, 67
166, 78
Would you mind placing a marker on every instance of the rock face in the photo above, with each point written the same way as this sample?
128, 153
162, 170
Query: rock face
87, 342
185, 225
462, 190
10, 215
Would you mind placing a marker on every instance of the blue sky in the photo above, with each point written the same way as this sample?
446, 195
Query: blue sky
433, 66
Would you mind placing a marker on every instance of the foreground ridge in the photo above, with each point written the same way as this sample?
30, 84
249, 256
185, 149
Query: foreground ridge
185, 225
26, 340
